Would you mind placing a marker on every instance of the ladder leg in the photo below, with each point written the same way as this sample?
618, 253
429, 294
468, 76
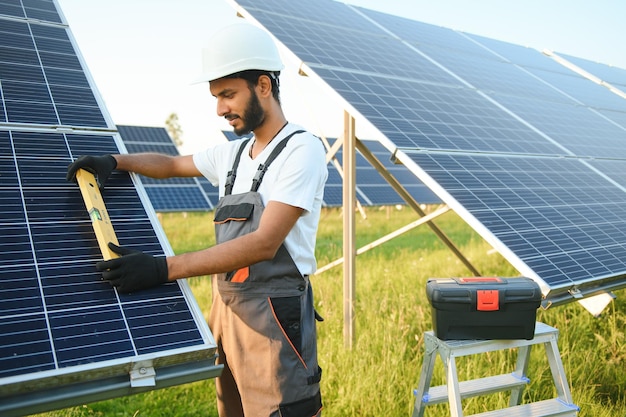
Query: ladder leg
523, 356
558, 371
454, 392
430, 354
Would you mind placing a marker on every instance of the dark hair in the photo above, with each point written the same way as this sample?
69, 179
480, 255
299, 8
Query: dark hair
252, 78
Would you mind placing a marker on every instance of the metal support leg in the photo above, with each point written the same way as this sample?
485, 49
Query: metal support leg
421, 393
558, 371
523, 355
454, 392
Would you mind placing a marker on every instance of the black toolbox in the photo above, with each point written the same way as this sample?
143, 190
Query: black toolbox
483, 308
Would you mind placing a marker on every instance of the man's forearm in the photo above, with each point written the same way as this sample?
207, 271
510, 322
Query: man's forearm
228, 256
151, 165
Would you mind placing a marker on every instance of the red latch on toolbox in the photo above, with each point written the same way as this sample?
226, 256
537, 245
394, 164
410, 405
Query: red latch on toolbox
487, 300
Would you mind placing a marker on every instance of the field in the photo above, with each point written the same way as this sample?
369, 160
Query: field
376, 377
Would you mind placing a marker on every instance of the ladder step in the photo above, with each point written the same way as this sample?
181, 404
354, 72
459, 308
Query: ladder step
545, 408
474, 387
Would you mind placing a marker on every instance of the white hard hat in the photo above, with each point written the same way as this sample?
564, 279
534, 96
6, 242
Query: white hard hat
239, 47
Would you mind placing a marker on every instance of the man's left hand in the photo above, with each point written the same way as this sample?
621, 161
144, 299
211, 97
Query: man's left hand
133, 270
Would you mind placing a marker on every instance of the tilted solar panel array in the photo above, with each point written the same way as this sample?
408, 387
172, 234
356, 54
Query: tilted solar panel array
172, 194
522, 148
67, 336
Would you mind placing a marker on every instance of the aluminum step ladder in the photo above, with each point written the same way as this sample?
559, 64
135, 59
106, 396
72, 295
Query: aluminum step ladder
455, 391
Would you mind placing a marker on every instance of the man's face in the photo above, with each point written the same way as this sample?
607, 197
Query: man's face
238, 104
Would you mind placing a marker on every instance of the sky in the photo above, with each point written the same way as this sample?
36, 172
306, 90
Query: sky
144, 55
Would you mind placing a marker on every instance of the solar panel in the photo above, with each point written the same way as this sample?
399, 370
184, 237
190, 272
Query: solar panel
519, 146
613, 78
42, 79
67, 336
230, 135
172, 194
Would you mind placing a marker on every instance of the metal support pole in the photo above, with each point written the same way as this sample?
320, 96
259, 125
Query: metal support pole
349, 229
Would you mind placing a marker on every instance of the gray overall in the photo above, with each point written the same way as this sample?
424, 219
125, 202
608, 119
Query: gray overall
263, 320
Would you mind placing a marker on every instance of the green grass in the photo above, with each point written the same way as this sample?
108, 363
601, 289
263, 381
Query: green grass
376, 377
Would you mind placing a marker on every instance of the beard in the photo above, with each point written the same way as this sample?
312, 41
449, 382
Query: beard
253, 116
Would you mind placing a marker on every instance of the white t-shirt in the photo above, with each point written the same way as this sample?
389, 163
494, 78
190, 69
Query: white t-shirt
296, 177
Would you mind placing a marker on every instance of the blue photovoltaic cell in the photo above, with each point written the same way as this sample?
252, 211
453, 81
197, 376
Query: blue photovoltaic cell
611, 74
517, 54
43, 10
42, 79
614, 169
521, 71
156, 136
230, 135
494, 75
56, 314
173, 194
421, 34
189, 197
583, 90
617, 117
519, 145
209, 189
578, 130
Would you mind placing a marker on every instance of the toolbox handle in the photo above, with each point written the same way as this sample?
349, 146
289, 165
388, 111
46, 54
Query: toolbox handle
479, 280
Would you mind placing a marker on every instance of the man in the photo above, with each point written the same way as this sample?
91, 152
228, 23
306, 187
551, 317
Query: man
271, 190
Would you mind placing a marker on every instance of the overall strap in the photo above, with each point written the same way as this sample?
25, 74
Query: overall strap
258, 177
232, 174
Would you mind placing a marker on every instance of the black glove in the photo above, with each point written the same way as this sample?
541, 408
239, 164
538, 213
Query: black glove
100, 166
134, 270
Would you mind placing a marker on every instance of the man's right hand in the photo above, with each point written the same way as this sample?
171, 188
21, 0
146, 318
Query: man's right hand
100, 166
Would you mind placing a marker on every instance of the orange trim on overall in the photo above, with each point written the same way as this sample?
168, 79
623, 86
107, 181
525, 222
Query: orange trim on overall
285, 334
241, 275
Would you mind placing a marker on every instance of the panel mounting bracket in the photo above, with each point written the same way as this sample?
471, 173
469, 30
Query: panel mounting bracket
142, 374
575, 292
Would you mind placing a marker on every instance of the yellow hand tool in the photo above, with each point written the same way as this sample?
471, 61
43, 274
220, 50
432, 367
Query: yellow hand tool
97, 212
